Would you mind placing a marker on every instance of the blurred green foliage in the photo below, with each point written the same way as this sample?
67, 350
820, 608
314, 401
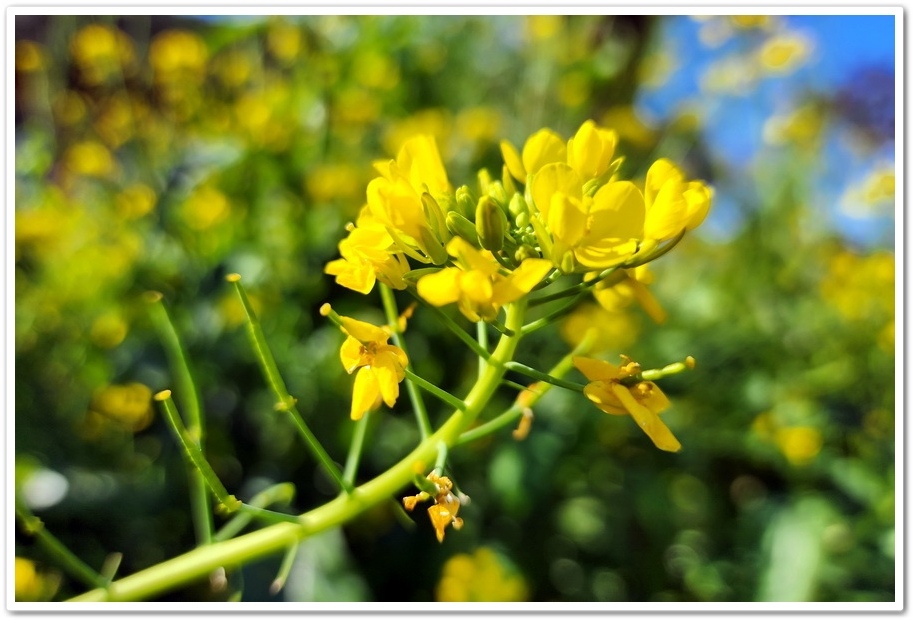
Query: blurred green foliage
161, 153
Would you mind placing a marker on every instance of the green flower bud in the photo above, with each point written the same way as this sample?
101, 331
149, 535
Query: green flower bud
568, 263
462, 227
434, 216
517, 205
465, 201
524, 252
522, 220
433, 246
491, 224
499, 195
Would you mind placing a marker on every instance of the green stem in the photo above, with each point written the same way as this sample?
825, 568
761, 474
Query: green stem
193, 453
541, 376
198, 563
419, 408
579, 287
484, 341
285, 567
285, 402
441, 394
457, 330
540, 323
279, 493
356, 448
64, 557
201, 511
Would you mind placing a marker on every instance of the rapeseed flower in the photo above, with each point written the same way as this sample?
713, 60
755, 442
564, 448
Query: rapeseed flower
477, 283
445, 511
643, 401
673, 203
367, 256
380, 365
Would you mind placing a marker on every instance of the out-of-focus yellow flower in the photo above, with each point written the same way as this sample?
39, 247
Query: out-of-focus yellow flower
478, 124
334, 181
542, 27
135, 201
799, 444
482, 576
598, 231
435, 122
118, 119
233, 68
108, 330
206, 207
178, 56
477, 283
69, 108
672, 202
617, 330
574, 88
657, 69
367, 255
642, 400
801, 127
32, 585
355, 106
630, 126
748, 22
861, 287
284, 41
873, 194
784, 52
30, 57
89, 158
127, 405
736, 75
375, 70
380, 365
101, 53
445, 511
615, 297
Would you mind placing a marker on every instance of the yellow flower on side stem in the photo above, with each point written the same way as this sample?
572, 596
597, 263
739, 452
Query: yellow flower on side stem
367, 256
672, 202
643, 400
381, 365
477, 284
445, 510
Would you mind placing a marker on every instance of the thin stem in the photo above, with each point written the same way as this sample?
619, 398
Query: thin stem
285, 402
541, 376
193, 453
441, 394
279, 493
201, 510
576, 289
356, 448
544, 321
64, 557
457, 330
285, 567
198, 563
419, 408
537, 391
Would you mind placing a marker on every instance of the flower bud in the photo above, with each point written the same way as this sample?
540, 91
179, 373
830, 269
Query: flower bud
524, 252
433, 247
508, 181
484, 179
517, 205
434, 216
465, 201
491, 224
462, 227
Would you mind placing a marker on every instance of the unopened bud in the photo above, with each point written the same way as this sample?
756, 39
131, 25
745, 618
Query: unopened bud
465, 202
433, 247
484, 179
491, 224
568, 263
524, 252
517, 205
508, 181
462, 227
434, 216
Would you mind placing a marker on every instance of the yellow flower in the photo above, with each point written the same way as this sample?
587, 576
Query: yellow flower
396, 198
367, 256
591, 150
483, 576
598, 231
444, 511
543, 147
643, 400
381, 365
673, 203
127, 405
477, 284
617, 296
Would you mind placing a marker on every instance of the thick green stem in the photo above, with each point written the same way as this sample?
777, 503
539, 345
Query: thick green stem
271, 539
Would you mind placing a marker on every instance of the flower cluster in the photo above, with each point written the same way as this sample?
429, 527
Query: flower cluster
445, 510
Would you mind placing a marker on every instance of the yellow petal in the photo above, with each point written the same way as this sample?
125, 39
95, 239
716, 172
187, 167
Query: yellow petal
358, 277
471, 258
352, 355
551, 179
363, 331
528, 274
647, 420
699, 198
366, 394
476, 286
566, 219
419, 158
668, 214
618, 211
543, 147
596, 369
590, 151
658, 174
388, 372
513, 161
440, 288
600, 393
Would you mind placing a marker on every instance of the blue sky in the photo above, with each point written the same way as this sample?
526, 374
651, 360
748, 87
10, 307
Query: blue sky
843, 44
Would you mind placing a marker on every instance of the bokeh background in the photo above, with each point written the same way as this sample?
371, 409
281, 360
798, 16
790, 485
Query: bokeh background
163, 152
